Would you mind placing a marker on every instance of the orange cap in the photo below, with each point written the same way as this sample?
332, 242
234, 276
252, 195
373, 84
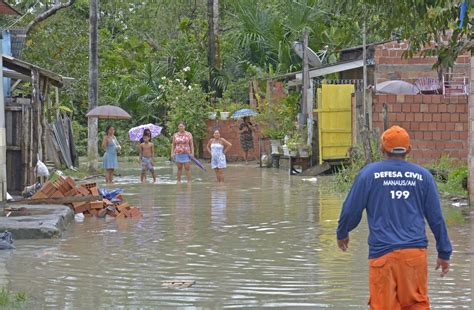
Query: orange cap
395, 140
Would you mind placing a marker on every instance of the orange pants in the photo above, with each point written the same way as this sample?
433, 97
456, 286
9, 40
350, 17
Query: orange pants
398, 280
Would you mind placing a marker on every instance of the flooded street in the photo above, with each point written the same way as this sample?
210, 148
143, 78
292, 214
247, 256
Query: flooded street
261, 240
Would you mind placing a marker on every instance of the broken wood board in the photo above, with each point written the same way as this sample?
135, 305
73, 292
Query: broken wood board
316, 170
58, 201
178, 283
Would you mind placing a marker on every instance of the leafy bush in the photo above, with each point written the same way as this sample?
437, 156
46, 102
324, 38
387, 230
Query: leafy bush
450, 176
186, 102
347, 173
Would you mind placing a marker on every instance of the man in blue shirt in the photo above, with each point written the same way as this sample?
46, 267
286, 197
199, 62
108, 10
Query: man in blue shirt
397, 196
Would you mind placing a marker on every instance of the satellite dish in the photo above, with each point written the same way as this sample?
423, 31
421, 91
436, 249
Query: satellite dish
314, 59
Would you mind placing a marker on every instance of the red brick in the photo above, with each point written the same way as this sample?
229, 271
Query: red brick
94, 191
427, 117
418, 98
451, 108
445, 117
441, 126
400, 117
450, 126
442, 108
39, 195
463, 118
415, 126
461, 108
406, 107
433, 108
436, 117
80, 207
459, 127
463, 135
455, 135
426, 99
445, 135
409, 98
432, 126
410, 117
418, 135
71, 193
436, 135
436, 99
424, 126
396, 107
415, 107
57, 194
83, 191
424, 108
418, 117
455, 117
392, 117
99, 204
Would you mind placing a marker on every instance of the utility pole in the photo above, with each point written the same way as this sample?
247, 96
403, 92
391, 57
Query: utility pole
304, 104
365, 119
92, 124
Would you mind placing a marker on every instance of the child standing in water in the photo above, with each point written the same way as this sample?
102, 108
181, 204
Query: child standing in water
147, 153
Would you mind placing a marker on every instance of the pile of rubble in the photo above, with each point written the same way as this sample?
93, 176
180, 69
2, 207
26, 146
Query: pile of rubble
86, 198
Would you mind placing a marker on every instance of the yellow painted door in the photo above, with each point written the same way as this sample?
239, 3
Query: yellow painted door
335, 121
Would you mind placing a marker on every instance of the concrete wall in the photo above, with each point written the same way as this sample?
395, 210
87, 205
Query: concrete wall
391, 66
229, 130
437, 125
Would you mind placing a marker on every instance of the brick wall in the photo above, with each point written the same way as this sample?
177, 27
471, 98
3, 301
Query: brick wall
391, 66
229, 130
437, 125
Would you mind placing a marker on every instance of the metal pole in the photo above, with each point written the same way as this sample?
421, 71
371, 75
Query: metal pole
304, 104
364, 59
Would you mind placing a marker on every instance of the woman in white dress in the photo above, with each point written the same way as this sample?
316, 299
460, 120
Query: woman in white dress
218, 147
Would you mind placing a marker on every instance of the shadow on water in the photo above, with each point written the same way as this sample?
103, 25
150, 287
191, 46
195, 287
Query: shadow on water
261, 240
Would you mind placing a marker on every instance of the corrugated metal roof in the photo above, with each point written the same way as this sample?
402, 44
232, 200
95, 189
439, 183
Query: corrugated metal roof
332, 68
24, 69
6, 9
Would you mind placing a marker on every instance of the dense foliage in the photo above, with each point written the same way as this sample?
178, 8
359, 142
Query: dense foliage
143, 41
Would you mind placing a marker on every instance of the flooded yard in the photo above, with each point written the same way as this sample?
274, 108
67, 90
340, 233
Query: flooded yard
261, 240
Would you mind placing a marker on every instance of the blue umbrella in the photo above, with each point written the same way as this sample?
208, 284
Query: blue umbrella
243, 113
197, 163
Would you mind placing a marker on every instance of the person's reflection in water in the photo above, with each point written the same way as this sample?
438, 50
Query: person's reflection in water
184, 213
218, 206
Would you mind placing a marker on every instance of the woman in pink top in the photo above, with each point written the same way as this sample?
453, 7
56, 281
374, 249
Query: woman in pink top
182, 150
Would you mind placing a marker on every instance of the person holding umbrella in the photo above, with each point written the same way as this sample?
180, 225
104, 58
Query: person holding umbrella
182, 151
111, 147
246, 129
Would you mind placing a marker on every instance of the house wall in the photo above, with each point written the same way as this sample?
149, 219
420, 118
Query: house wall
229, 130
437, 125
391, 66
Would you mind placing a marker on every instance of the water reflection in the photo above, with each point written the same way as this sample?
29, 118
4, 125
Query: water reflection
263, 239
218, 207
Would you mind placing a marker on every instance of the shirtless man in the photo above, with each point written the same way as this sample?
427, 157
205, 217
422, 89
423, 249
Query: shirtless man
147, 153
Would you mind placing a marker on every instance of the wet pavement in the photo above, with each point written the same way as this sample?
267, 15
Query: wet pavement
261, 240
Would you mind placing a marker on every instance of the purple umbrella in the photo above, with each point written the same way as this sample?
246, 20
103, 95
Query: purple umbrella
136, 133
198, 163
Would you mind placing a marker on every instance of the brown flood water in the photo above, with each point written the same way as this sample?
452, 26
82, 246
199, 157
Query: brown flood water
261, 240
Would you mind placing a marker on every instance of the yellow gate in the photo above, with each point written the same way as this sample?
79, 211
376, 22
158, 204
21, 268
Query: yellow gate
334, 121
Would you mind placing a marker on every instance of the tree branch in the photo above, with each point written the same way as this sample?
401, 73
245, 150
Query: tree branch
48, 13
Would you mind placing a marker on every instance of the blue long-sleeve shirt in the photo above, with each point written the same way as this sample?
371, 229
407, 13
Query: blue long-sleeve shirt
397, 196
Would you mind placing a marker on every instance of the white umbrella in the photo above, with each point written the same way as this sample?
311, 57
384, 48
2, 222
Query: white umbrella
397, 87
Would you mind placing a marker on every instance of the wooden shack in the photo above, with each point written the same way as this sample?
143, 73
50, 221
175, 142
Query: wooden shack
30, 121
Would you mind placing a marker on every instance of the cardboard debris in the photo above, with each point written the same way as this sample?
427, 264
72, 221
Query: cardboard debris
62, 186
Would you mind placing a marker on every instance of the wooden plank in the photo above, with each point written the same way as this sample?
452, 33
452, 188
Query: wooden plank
59, 200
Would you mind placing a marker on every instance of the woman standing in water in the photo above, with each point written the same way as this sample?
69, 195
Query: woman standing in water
218, 147
246, 137
182, 149
111, 147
